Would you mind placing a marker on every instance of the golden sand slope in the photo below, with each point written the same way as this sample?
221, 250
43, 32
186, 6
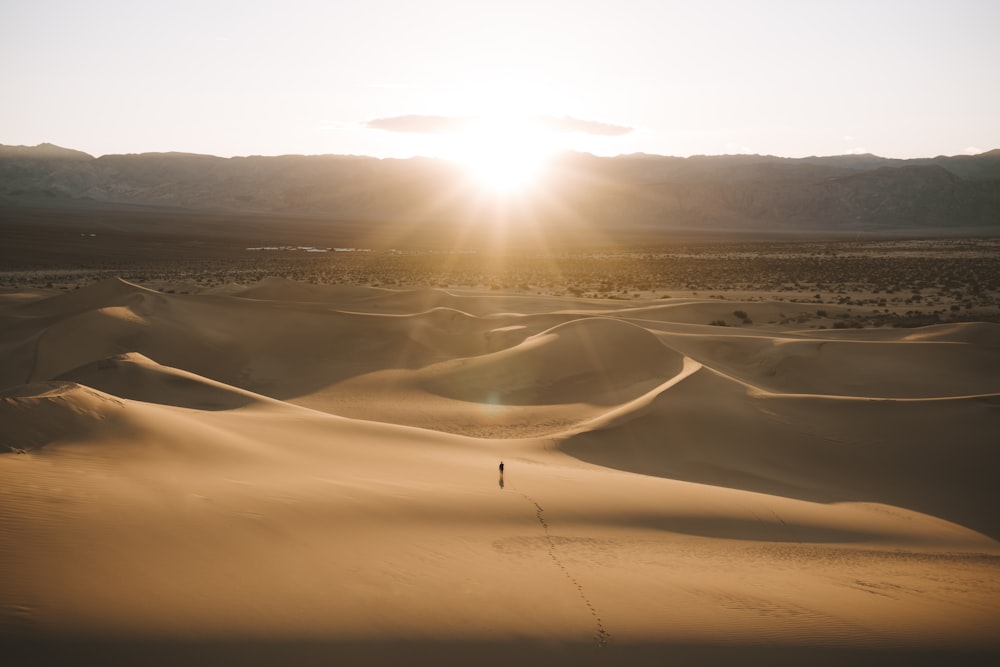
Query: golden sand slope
308, 474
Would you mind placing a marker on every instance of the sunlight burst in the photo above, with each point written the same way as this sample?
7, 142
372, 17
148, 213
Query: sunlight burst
503, 155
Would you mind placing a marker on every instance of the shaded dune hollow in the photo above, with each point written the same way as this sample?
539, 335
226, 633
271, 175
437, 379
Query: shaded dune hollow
940, 367
591, 360
285, 473
714, 430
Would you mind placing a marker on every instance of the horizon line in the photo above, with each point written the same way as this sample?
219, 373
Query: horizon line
567, 151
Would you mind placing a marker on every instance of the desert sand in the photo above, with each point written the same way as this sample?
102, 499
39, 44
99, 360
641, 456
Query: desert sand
282, 473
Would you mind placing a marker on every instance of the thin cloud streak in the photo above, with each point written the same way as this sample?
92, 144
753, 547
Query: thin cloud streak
417, 124
427, 124
570, 124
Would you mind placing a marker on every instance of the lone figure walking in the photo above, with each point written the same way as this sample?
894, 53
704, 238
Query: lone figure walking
501, 467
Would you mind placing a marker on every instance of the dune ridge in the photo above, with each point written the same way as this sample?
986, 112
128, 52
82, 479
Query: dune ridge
585, 359
316, 467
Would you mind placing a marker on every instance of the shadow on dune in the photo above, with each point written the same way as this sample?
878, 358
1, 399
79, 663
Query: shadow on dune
529, 653
138, 378
937, 457
599, 361
959, 360
757, 530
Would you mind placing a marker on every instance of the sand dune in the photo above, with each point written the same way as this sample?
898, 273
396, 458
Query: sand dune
300, 474
585, 360
139, 378
817, 363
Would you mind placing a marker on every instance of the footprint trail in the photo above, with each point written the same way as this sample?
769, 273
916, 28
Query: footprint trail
601, 635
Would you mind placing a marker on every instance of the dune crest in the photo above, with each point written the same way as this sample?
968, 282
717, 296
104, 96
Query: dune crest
590, 359
901, 368
137, 377
109, 292
38, 414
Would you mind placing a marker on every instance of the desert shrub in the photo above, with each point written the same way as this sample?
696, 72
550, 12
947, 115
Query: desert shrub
718, 323
741, 314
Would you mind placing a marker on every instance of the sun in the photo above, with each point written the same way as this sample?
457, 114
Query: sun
502, 155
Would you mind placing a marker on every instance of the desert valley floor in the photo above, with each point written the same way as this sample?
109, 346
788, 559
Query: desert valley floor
282, 472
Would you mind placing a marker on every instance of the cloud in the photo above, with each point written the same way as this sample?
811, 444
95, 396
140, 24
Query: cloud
416, 124
420, 124
973, 150
570, 124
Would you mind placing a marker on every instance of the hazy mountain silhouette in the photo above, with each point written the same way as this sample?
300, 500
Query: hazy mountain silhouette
643, 193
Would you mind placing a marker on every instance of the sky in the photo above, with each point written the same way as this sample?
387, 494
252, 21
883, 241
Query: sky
398, 78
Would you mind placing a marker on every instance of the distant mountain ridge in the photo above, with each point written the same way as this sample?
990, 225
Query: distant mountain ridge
645, 192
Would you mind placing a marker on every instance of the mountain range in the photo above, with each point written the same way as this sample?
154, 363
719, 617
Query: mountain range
632, 193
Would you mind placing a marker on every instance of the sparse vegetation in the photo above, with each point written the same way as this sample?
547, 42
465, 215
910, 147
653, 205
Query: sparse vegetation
895, 283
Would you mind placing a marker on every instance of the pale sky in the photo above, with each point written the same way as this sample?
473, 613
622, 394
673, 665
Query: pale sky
396, 78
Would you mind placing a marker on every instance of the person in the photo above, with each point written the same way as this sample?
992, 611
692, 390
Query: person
501, 467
